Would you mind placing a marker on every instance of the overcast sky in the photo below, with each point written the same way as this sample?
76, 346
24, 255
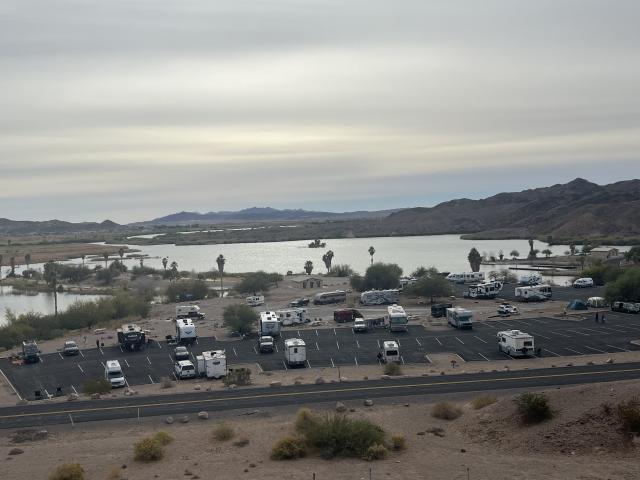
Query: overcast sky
132, 110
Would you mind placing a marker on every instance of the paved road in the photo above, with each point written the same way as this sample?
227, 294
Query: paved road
333, 348
177, 404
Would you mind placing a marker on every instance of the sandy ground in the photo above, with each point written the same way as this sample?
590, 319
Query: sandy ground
483, 444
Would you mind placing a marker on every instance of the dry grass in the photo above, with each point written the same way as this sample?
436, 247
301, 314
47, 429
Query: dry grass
163, 438
289, 448
68, 471
148, 450
446, 411
392, 368
483, 401
398, 442
223, 432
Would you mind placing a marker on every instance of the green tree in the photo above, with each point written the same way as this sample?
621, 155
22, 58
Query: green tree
633, 255
372, 251
308, 267
257, 282
12, 263
83, 257
381, 276
357, 282
327, 258
501, 255
221, 261
27, 259
530, 247
546, 252
187, 290
572, 248
174, 274
514, 255
240, 318
51, 277
626, 288
121, 253
419, 272
105, 255
342, 270
165, 262
431, 285
475, 259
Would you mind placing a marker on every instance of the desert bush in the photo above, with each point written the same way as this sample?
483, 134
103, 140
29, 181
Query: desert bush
392, 368
240, 318
163, 438
446, 411
533, 407
398, 442
629, 415
223, 432
166, 382
188, 290
99, 385
305, 420
148, 450
341, 270
376, 452
289, 448
483, 401
241, 442
238, 376
68, 471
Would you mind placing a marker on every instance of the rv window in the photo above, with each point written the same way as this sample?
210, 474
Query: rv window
295, 350
527, 343
392, 353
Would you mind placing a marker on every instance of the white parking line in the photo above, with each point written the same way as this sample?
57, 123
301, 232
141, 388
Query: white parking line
74, 389
317, 347
402, 358
334, 332
615, 330
276, 347
298, 332
338, 344
159, 346
572, 350
522, 321
80, 367
61, 356
483, 356
540, 335
428, 358
285, 365
378, 343
42, 359
619, 348
333, 364
594, 349
234, 351
358, 343
438, 340
561, 334
259, 367
483, 341
418, 342
398, 342
11, 385
121, 348
151, 379
148, 360
579, 333
316, 333
81, 353
459, 340
309, 363
553, 353
356, 360
127, 363
255, 350
101, 351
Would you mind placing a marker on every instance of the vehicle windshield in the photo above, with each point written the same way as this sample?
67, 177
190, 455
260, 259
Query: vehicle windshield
392, 353
188, 367
115, 374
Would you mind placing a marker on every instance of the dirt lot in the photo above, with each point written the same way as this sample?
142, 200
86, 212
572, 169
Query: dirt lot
482, 444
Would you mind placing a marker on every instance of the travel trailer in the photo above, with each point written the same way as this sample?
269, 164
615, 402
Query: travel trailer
468, 277
390, 351
186, 331
269, 324
189, 311
485, 290
406, 282
380, 297
295, 352
515, 343
325, 298
131, 337
535, 293
459, 317
255, 300
583, 283
532, 278
292, 316
397, 318
212, 364
113, 374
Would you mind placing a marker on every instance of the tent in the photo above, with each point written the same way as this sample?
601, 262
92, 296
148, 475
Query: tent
577, 305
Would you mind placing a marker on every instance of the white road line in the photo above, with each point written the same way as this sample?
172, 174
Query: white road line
255, 350
80, 367
483, 356
11, 385
619, 348
338, 344
74, 389
418, 342
234, 351
317, 347
540, 335
438, 340
483, 341
148, 360
127, 363
402, 358
61, 356
553, 353
572, 350
333, 364
356, 360
152, 382
561, 334
358, 343
285, 365
160, 346
594, 349
81, 353
428, 358
459, 340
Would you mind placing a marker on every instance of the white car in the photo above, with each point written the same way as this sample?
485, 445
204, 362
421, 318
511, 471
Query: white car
506, 309
184, 369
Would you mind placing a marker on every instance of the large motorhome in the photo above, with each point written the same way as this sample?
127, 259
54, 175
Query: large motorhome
131, 337
515, 343
189, 311
295, 352
255, 300
535, 293
459, 317
269, 324
292, 316
485, 290
380, 297
186, 331
324, 298
397, 318
467, 277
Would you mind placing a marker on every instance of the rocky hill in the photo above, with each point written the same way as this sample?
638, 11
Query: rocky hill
52, 227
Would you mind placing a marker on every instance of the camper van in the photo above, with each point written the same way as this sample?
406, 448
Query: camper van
113, 374
295, 352
397, 318
467, 277
532, 278
212, 364
269, 324
515, 343
186, 331
459, 317
189, 311
583, 283
325, 298
380, 297
292, 316
485, 290
255, 300
535, 293
390, 351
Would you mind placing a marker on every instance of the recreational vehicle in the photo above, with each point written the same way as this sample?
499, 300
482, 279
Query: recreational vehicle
346, 315
295, 352
625, 307
596, 302
269, 324
397, 318
186, 331
459, 317
485, 290
467, 277
325, 298
440, 310
583, 283
390, 351
515, 343
113, 374
30, 352
532, 278
189, 311
212, 364
131, 337
535, 293
380, 297
406, 282
265, 344
292, 316
255, 300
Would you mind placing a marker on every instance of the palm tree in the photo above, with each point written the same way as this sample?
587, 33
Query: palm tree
327, 258
105, 255
546, 252
308, 267
165, 261
51, 277
12, 262
530, 247
221, 261
501, 255
83, 257
27, 259
371, 252
174, 270
121, 252
141, 262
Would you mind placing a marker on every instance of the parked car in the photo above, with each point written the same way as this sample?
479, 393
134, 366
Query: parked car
300, 302
359, 325
583, 283
70, 348
184, 369
507, 309
181, 353
266, 344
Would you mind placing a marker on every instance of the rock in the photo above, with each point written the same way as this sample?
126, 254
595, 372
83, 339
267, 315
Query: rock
208, 389
385, 377
441, 373
368, 402
188, 472
421, 433
365, 378
609, 360
16, 451
275, 384
319, 381
184, 419
297, 382
437, 431
203, 415
95, 396
169, 420
462, 450
341, 407
197, 387
71, 397
569, 364
252, 465
344, 379
589, 363
406, 404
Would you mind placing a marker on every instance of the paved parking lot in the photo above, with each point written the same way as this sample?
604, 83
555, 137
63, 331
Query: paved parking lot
564, 294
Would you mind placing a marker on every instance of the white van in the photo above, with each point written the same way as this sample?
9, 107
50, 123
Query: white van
255, 300
583, 283
113, 374
295, 351
390, 351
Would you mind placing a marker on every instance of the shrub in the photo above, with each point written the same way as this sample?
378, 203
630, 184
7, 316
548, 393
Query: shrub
376, 452
342, 270
340, 435
629, 415
223, 432
398, 442
188, 290
357, 282
626, 288
163, 438
241, 442
446, 411
305, 420
483, 401
533, 407
166, 382
240, 318
288, 448
238, 376
148, 450
68, 471
392, 368
97, 386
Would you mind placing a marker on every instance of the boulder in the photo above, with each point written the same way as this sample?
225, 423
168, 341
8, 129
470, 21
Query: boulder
275, 384
385, 377
203, 415
72, 397
95, 396
169, 420
368, 402
184, 419
197, 387
16, 451
341, 407
609, 360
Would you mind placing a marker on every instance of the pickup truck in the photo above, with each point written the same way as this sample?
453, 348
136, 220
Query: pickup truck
359, 325
265, 344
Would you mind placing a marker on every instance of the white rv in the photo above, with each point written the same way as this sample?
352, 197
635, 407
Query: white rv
212, 364
186, 331
406, 282
397, 318
485, 290
269, 324
390, 351
292, 316
583, 283
380, 297
325, 298
532, 278
255, 300
515, 343
459, 317
535, 293
189, 311
295, 352
113, 374
467, 277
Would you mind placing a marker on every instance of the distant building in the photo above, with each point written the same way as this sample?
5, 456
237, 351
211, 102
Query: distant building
604, 252
311, 282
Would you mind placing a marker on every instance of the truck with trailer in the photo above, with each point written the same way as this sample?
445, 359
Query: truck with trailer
186, 331
295, 352
30, 352
397, 318
460, 318
212, 364
485, 290
533, 293
269, 324
326, 298
515, 343
292, 316
345, 315
131, 337
189, 311
380, 297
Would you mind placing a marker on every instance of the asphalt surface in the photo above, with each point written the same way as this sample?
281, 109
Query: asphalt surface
43, 414
58, 375
564, 294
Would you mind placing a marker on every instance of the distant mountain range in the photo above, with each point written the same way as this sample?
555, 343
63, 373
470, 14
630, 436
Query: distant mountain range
262, 214
20, 227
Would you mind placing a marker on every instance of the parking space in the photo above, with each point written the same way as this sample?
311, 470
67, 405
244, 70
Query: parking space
563, 294
333, 348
